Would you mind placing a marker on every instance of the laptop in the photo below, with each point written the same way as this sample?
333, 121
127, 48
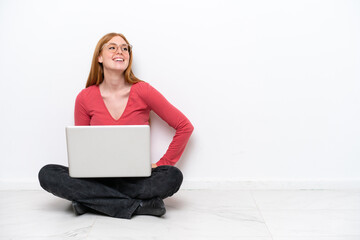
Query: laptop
108, 151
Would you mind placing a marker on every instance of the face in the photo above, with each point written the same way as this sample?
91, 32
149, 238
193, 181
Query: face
114, 61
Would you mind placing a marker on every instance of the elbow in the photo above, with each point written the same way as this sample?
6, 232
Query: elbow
191, 127
188, 127
184, 126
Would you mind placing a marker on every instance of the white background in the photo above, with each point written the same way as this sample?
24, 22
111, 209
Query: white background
271, 87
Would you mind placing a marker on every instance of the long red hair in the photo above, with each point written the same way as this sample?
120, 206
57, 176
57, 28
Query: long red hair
96, 75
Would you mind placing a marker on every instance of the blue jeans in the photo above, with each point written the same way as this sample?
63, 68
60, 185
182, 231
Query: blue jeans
115, 197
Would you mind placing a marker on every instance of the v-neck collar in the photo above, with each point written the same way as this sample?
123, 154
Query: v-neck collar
107, 110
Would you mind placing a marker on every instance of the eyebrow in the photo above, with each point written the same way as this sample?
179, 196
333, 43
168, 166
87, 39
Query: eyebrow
117, 44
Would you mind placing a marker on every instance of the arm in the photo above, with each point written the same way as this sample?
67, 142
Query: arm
175, 119
80, 114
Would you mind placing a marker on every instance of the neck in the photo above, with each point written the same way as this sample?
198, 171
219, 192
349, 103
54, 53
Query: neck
113, 81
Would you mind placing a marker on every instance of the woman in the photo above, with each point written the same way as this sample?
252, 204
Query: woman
114, 96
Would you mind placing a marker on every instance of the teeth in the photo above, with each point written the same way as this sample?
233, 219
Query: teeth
119, 60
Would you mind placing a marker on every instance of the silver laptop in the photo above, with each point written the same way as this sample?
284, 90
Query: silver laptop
109, 151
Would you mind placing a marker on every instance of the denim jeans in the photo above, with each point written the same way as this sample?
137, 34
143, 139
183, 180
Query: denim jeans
115, 197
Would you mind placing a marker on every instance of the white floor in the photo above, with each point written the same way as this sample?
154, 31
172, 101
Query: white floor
192, 214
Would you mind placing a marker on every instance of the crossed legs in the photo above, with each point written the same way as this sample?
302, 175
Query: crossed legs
116, 197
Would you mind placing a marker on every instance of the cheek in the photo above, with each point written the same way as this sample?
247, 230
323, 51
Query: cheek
127, 60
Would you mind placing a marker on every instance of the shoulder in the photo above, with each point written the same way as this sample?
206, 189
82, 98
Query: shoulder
144, 88
145, 91
141, 85
88, 91
141, 88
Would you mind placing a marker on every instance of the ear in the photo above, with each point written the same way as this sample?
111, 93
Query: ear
100, 59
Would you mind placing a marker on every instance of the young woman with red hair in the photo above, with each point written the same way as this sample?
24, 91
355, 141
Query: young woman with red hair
114, 96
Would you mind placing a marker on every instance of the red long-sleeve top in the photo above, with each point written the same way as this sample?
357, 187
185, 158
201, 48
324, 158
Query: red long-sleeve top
90, 109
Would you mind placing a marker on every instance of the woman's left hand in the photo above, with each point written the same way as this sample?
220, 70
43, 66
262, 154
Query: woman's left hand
154, 165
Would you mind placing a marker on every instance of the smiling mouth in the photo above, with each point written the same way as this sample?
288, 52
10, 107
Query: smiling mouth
118, 60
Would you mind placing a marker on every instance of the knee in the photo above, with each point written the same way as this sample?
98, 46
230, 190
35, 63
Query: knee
44, 174
174, 180
176, 175
47, 175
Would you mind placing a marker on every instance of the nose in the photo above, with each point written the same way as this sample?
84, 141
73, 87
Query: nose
118, 50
